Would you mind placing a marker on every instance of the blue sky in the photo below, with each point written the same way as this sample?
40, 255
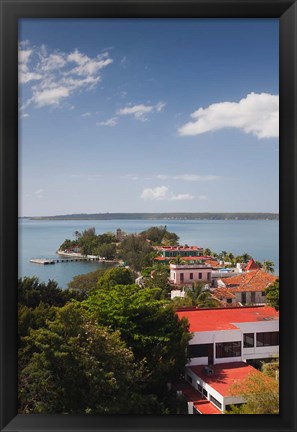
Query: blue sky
148, 115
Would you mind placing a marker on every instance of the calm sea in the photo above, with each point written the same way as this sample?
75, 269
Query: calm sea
41, 239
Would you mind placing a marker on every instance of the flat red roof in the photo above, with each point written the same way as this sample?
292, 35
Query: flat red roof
224, 375
201, 320
204, 406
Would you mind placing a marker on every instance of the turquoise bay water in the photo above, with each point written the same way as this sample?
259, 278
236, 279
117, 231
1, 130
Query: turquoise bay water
41, 239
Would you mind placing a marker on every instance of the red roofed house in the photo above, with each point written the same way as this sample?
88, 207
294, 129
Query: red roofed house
249, 287
224, 341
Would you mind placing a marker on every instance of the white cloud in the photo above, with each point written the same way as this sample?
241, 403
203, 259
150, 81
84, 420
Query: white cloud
162, 193
188, 177
39, 193
86, 65
24, 115
140, 111
24, 55
257, 114
50, 96
181, 197
58, 77
110, 122
86, 114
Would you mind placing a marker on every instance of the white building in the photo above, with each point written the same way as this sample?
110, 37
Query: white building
224, 341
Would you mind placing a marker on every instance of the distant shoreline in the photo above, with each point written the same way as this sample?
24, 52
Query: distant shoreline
159, 216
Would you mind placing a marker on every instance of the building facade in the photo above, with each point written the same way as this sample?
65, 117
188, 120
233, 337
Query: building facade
187, 274
225, 342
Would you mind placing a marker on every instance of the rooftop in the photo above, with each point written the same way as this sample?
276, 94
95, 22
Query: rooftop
179, 248
203, 405
251, 265
223, 293
224, 375
201, 320
254, 280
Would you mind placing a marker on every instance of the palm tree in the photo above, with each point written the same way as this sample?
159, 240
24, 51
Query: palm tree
178, 260
245, 257
207, 252
200, 297
268, 266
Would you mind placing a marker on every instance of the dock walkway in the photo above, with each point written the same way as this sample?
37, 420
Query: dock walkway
46, 261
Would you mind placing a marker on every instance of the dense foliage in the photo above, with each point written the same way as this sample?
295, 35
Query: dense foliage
114, 352
89, 243
160, 236
136, 252
259, 391
272, 294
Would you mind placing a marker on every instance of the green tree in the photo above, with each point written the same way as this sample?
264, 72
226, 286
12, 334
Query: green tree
207, 252
31, 292
268, 266
160, 235
245, 257
74, 366
200, 297
158, 277
260, 394
107, 250
149, 327
178, 260
272, 294
136, 252
115, 276
86, 282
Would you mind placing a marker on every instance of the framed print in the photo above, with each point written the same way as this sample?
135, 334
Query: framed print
148, 207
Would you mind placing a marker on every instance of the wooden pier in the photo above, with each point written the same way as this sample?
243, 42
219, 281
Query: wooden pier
46, 261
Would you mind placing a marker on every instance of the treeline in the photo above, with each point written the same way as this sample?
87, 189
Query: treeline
115, 348
165, 216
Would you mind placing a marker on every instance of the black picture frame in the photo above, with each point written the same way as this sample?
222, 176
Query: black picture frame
11, 11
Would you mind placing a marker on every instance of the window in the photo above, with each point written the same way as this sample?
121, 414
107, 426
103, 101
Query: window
202, 390
208, 276
228, 349
216, 402
253, 297
200, 350
181, 277
248, 340
267, 339
229, 300
191, 275
263, 293
199, 275
243, 298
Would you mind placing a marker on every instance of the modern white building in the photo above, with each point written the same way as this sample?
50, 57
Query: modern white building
224, 342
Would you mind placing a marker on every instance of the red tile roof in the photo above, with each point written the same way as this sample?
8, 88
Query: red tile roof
224, 375
202, 320
255, 280
179, 248
251, 265
223, 293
